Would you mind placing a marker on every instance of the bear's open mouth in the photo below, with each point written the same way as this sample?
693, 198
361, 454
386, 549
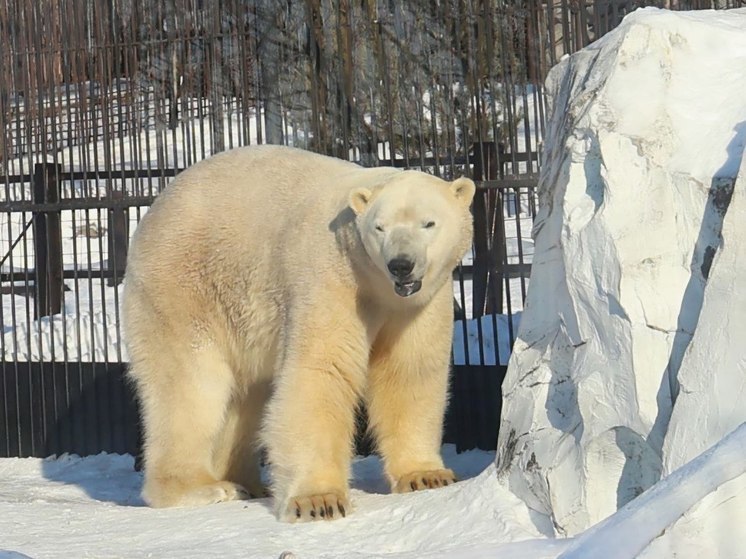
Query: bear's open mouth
405, 289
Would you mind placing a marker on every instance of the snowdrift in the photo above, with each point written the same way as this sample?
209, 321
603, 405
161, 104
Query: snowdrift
628, 362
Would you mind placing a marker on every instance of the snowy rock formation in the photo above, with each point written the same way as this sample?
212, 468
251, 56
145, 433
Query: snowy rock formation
694, 512
629, 359
712, 377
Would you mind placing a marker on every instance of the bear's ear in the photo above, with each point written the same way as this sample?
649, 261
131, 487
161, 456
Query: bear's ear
463, 190
359, 200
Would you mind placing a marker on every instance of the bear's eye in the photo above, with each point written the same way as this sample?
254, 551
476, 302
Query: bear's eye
429, 225
379, 227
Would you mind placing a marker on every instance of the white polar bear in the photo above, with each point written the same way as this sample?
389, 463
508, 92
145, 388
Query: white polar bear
268, 292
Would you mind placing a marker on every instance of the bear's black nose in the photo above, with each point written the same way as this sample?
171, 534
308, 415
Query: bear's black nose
400, 267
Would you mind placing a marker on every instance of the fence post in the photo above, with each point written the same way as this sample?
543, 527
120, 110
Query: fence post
118, 241
486, 163
498, 257
47, 241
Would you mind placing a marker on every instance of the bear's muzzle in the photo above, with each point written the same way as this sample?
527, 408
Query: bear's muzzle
405, 289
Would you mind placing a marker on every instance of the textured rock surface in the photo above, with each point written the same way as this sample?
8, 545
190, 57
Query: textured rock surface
712, 380
644, 143
693, 513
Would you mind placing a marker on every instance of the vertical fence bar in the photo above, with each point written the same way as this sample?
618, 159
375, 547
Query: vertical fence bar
485, 169
47, 241
118, 224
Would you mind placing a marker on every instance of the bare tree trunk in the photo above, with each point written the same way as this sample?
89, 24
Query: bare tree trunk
269, 58
216, 84
319, 93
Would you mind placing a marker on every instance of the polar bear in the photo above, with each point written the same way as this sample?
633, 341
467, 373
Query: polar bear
268, 292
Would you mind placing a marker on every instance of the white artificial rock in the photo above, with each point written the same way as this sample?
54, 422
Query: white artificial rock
646, 136
712, 379
712, 528
692, 513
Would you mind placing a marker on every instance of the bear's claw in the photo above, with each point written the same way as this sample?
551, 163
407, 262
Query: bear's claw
316, 507
424, 480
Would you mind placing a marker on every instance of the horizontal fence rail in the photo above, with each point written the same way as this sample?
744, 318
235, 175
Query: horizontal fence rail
103, 103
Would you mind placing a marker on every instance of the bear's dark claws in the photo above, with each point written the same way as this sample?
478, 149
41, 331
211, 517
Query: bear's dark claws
342, 510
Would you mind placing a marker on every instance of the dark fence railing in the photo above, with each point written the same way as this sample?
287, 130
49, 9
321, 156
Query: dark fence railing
86, 408
63, 365
102, 103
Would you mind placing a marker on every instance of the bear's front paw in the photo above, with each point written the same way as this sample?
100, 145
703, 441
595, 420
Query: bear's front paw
424, 480
328, 506
171, 495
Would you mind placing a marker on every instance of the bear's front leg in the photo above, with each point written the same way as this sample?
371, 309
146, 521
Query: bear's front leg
407, 394
310, 424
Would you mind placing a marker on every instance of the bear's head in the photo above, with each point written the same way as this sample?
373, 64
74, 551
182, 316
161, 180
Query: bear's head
415, 229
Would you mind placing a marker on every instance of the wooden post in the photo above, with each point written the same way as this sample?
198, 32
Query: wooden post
485, 168
489, 232
47, 241
498, 258
118, 241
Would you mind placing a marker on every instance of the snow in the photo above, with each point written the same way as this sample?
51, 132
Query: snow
90, 507
642, 524
644, 142
488, 329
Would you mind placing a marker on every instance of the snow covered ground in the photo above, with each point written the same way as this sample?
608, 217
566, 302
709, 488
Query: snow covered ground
90, 507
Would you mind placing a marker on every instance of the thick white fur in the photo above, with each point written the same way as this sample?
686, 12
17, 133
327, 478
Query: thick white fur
258, 310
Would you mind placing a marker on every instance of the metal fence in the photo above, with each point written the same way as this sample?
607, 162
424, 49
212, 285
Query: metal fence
103, 102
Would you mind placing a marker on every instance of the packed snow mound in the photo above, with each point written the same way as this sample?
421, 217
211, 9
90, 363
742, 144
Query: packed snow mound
634, 234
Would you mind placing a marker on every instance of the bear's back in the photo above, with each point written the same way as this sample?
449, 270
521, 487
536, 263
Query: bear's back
263, 171
263, 184
257, 208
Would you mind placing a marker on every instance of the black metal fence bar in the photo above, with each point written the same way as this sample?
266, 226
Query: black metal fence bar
87, 408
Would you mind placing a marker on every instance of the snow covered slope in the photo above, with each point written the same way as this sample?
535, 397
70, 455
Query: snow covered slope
645, 140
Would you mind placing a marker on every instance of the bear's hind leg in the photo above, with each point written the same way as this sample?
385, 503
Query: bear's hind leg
184, 405
243, 463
